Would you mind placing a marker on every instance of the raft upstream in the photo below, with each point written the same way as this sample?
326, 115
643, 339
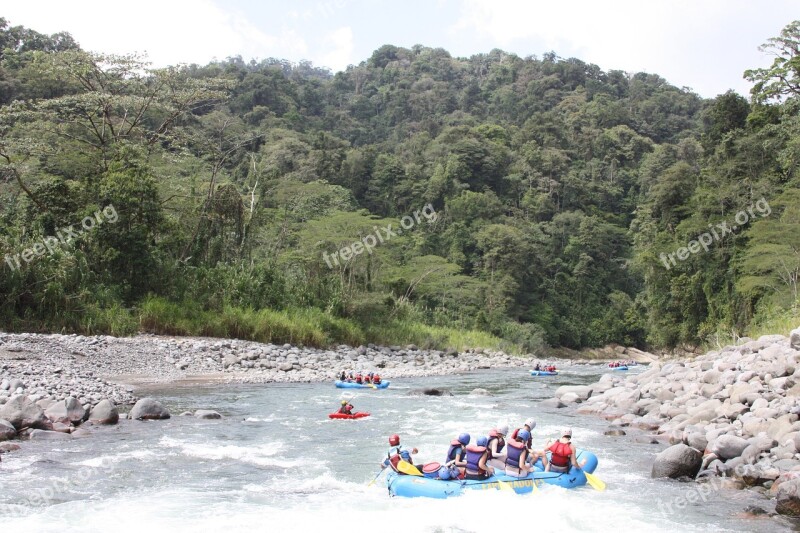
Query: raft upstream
543, 373
352, 385
416, 486
618, 368
343, 416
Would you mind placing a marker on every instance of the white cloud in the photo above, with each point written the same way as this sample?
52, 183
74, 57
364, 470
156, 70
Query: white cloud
340, 44
171, 32
705, 45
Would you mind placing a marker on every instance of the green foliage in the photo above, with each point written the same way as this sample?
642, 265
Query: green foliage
544, 195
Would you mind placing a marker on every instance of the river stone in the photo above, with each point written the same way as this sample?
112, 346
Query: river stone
615, 433
206, 414
677, 461
7, 430
583, 392
104, 412
794, 339
553, 402
41, 434
23, 413
148, 409
728, 446
789, 498
7, 447
571, 397
480, 392
697, 440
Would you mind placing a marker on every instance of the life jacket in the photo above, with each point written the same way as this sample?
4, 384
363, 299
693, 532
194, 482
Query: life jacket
395, 455
358, 378
500, 441
560, 453
376, 379
346, 410
474, 454
514, 437
515, 449
454, 453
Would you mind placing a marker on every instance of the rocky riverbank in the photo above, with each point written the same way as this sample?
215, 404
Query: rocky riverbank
731, 413
51, 385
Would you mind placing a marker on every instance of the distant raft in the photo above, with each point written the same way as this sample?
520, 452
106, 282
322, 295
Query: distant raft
342, 416
543, 373
430, 487
618, 368
353, 385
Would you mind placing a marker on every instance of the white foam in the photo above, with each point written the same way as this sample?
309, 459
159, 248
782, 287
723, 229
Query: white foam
262, 455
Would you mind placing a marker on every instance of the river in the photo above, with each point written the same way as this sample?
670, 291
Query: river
277, 463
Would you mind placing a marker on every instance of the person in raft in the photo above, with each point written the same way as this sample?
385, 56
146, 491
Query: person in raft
538, 367
457, 453
496, 444
562, 454
396, 454
343, 376
518, 454
346, 408
376, 379
478, 456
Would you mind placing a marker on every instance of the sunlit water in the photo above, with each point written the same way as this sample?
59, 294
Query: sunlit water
277, 463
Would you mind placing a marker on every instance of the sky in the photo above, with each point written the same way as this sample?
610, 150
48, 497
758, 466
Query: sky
704, 45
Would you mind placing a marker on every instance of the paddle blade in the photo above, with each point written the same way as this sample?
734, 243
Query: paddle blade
595, 482
504, 485
376, 478
373, 386
408, 468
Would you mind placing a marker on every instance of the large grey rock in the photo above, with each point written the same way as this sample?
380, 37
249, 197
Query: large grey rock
68, 411
41, 434
7, 430
677, 461
148, 409
789, 498
697, 440
104, 412
794, 339
583, 392
728, 446
23, 413
206, 414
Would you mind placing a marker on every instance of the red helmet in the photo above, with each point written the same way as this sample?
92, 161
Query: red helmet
394, 440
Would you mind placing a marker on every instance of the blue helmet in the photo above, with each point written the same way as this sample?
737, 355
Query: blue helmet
444, 473
464, 438
482, 441
523, 435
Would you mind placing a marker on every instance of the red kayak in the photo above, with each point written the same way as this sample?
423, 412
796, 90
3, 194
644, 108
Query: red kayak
348, 417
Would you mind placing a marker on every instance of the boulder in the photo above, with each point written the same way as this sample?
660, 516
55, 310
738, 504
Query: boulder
789, 498
677, 461
570, 397
794, 339
583, 392
206, 414
68, 411
41, 434
7, 431
104, 412
553, 402
23, 413
728, 446
148, 409
697, 440
480, 392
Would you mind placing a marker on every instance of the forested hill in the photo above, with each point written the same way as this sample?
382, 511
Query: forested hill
417, 197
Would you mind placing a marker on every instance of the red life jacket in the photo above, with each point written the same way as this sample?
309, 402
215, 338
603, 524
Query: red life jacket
560, 453
376, 379
358, 378
500, 441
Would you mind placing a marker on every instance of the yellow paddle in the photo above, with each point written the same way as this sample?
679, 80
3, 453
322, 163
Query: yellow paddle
407, 468
595, 482
376, 477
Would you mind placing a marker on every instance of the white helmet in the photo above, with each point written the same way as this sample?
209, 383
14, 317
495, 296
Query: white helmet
531, 423
502, 428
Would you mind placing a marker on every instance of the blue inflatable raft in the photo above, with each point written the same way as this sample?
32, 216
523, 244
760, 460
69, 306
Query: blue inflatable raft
353, 385
428, 487
543, 373
618, 368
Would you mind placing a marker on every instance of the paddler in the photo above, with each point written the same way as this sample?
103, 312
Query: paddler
396, 454
346, 408
562, 454
496, 443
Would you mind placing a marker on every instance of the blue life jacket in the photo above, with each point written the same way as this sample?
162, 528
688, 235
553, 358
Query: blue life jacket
515, 449
474, 454
454, 453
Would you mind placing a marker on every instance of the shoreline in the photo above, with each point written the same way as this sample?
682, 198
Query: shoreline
731, 414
